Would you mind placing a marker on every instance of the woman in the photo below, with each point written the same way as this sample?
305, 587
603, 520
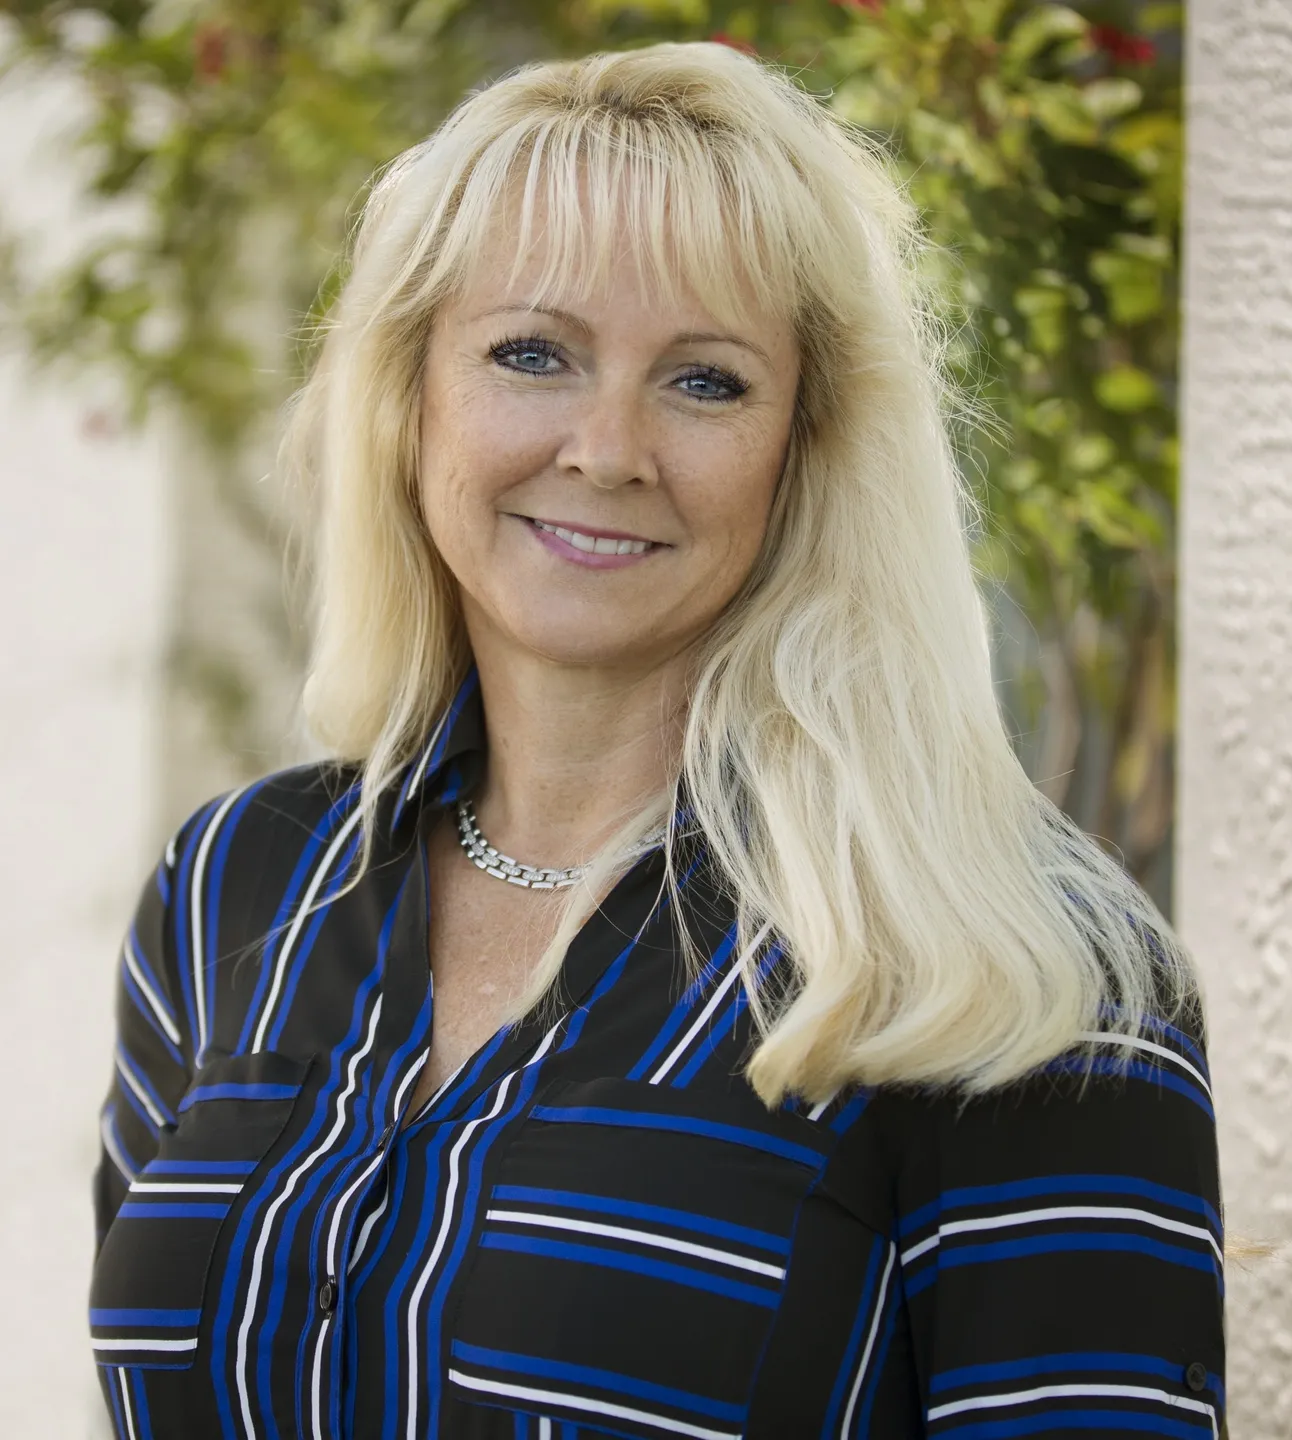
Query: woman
812, 1075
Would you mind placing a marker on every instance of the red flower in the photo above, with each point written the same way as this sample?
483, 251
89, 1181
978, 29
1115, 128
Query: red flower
1121, 47
210, 50
720, 37
871, 6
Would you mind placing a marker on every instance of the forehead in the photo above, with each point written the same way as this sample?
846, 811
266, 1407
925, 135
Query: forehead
493, 289
578, 247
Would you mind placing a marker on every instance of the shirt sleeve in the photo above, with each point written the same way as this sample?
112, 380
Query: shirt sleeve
1060, 1248
152, 1049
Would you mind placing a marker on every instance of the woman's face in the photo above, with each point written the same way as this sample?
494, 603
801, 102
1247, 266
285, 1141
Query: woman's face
625, 420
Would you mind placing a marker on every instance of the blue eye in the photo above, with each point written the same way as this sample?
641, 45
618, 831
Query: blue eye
522, 347
713, 375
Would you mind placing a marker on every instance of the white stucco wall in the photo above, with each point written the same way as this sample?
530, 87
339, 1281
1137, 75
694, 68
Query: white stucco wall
82, 606
1234, 834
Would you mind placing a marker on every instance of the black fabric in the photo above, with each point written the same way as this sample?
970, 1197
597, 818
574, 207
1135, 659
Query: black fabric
596, 1228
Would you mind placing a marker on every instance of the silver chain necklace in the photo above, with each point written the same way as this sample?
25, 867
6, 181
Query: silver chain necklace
503, 867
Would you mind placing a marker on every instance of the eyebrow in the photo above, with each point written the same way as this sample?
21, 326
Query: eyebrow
684, 337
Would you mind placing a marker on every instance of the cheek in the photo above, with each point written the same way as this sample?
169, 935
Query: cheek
733, 517
469, 464
447, 513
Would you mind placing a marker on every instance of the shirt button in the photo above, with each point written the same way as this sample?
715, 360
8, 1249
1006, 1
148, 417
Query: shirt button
327, 1296
1195, 1377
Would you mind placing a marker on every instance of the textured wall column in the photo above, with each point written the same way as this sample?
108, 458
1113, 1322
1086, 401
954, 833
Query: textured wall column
1234, 836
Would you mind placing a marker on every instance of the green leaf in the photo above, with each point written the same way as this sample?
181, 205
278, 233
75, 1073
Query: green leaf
1161, 17
1155, 248
860, 101
1088, 453
1125, 389
1021, 473
1050, 417
1152, 130
1041, 27
1045, 309
1108, 98
693, 11
1117, 520
1041, 515
1061, 112
1133, 284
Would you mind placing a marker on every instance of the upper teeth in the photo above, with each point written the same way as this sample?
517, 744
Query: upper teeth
596, 544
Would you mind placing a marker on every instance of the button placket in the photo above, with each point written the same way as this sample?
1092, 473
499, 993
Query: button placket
359, 1201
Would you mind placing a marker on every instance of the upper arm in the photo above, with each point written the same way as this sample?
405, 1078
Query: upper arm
1061, 1251
152, 1050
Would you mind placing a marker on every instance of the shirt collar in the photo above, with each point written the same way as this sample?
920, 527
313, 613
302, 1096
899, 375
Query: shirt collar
450, 760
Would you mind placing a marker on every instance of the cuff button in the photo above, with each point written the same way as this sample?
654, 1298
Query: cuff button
1195, 1377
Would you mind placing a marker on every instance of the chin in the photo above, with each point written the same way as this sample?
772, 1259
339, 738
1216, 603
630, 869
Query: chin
583, 641
584, 650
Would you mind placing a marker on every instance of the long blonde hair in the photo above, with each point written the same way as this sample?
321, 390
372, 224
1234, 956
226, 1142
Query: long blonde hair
844, 755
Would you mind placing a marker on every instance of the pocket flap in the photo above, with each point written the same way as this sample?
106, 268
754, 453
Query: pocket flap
736, 1117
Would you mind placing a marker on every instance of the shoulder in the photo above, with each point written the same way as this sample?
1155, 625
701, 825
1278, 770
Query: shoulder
230, 865
1110, 1086
1136, 1107
1122, 1122
291, 807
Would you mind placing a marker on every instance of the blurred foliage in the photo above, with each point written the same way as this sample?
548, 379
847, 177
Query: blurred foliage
1042, 145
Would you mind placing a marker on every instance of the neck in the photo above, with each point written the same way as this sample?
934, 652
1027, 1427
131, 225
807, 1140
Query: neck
572, 751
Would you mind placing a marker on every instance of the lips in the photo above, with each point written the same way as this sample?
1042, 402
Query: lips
594, 548
593, 542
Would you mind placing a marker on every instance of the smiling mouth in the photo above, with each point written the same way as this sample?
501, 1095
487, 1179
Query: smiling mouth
594, 542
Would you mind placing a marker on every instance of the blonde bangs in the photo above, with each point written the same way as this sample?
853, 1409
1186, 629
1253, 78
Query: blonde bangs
597, 191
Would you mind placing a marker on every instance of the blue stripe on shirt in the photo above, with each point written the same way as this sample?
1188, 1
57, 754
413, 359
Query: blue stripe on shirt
132, 1317
1136, 1070
319, 836
1073, 1242
231, 1091
685, 1006
1048, 1421
588, 1377
131, 1067
214, 890
1075, 1362
144, 1007
634, 1264
305, 942
166, 1210
200, 1167
861, 1323
678, 1124
972, 1196
637, 1210
181, 912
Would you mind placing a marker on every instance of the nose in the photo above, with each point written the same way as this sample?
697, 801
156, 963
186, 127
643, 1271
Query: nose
611, 439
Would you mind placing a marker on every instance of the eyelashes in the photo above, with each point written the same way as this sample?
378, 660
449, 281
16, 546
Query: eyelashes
513, 345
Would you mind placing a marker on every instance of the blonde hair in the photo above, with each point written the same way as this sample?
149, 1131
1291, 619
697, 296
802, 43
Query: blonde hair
844, 755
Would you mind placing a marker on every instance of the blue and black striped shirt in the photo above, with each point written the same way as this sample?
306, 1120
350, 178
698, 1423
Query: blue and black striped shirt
595, 1227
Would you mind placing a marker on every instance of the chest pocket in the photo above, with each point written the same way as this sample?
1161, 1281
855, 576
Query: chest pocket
632, 1257
150, 1275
